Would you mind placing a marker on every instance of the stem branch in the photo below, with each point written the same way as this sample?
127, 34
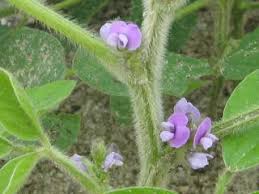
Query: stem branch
82, 177
223, 181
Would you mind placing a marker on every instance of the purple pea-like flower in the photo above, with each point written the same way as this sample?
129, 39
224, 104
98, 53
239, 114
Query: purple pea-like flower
199, 160
203, 135
77, 161
176, 132
122, 35
112, 159
183, 106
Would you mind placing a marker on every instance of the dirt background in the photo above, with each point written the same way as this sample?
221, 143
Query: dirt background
97, 121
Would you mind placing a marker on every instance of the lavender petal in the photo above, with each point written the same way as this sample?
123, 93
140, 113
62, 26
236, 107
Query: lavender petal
166, 136
203, 129
199, 160
181, 136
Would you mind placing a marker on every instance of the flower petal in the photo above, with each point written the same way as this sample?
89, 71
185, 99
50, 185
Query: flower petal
181, 106
194, 112
199, 160
112, 40
105, 31
78, 162
178, 119
203, 129
134, 36
118, 27
112, 159
167, 126
122, 41
166, 136
181, 136
206, 142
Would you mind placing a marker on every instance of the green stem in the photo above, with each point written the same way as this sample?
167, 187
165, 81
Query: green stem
247, 5
235, 124
223, 181
83, 178
238, 19
214, 100
189, 9
110, 59
222, 12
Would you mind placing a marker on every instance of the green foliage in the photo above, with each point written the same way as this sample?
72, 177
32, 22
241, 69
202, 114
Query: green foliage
14, 173
98, 152
182, 73
121, 109
5, 147
141, 190
34, 57
17, 115
86, 9
181, 31
63, 128
241, 150
48, 96
136, 11
243, 60
93, 73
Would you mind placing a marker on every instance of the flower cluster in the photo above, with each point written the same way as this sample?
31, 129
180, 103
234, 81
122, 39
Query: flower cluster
112, 159
121, 35
178, 130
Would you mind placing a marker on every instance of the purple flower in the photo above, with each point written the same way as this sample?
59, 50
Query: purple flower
176, 132
182, 106
199, 160
120, 34
77, 161
203, 135
112, 159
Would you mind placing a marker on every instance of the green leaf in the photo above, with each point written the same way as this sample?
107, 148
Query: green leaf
17, 115
34, 57
94, 74
256, 192
241, 151
180, 72
48, 96
14, 174
141, 190
136, 11
243, 60
121, 109
86, 9
63, 128
181, 31
5, 147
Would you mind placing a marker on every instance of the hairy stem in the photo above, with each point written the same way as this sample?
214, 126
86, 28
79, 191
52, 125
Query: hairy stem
144, 87
235, 124
222, 29
223, 181
110, 59
86, 181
